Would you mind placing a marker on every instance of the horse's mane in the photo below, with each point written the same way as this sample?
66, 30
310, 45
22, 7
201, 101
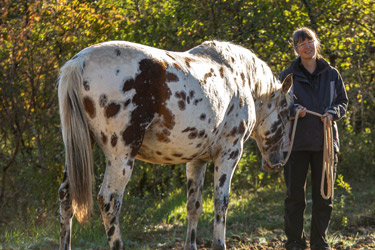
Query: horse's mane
260, 76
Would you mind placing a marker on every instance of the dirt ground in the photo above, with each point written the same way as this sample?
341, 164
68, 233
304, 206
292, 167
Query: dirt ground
361, 238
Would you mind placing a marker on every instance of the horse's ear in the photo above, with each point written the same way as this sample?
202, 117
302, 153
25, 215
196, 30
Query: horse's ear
287, 83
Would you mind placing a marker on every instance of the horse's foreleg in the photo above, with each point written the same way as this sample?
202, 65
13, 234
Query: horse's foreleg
225, 165
66, 214
110, 196
195, 172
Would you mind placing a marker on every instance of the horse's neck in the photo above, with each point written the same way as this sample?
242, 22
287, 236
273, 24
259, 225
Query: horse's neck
261, 79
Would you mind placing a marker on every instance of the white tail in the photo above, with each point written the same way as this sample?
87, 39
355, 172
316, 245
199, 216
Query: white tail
76, 136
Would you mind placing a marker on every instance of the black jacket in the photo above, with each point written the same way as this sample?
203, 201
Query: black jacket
323, 91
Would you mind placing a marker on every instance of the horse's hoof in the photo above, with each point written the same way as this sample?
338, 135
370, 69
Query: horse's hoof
218, 245
190, 247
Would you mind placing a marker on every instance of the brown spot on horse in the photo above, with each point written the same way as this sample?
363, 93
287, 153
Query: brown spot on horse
89, 106
150, 86
112, 109
172, 77
104, 138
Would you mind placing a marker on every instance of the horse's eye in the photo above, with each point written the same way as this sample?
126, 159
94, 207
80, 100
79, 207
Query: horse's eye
284, 104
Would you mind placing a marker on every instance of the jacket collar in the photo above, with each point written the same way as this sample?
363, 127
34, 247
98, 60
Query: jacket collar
322, 66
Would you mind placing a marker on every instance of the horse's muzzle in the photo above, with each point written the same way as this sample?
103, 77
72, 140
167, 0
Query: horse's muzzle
271, 169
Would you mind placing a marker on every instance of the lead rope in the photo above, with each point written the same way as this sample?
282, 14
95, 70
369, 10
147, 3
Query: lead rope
328, 154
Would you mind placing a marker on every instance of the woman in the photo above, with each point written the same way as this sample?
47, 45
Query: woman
317, 87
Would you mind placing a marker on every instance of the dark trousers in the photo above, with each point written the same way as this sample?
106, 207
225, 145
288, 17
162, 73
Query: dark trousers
295, 174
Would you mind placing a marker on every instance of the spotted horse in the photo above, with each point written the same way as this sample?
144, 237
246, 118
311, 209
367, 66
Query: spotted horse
163, 107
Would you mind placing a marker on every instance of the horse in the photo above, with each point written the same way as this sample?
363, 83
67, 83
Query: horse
164, 107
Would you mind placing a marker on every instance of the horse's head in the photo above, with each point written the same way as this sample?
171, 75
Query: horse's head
273, 112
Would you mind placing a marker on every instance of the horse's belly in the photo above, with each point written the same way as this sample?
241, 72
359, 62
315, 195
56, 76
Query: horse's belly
168, 155
182, 144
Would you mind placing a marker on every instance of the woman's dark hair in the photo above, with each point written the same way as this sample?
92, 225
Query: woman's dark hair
302, 34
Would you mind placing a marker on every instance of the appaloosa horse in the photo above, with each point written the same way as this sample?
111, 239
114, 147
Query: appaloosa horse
139, 102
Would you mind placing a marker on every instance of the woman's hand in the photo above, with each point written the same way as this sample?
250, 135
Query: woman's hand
327, 115
302, 111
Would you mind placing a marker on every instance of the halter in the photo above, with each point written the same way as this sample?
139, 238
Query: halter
266, 159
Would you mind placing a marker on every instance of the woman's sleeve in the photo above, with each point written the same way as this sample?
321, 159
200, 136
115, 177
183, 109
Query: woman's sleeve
282, 76
340, 101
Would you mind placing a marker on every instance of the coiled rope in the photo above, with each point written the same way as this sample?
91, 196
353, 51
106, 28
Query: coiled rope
328, 154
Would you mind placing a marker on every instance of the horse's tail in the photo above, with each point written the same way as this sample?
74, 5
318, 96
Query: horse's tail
76, 136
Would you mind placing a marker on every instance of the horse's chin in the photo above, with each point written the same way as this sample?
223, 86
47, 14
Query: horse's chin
271, 169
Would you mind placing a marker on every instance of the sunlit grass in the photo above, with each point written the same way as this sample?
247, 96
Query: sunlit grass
30, 237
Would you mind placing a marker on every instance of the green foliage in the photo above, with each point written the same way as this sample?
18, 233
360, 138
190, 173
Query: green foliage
37, 37
357, 157
341, 183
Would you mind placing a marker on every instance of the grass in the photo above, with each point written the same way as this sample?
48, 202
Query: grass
254, 218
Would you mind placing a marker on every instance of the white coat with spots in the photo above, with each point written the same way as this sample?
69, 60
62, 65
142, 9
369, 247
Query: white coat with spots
139, 102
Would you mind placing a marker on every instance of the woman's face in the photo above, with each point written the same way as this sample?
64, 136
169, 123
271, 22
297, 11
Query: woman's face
306, 49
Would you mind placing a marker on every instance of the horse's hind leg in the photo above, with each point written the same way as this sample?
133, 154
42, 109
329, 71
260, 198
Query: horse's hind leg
66, 213
117, 175
195, 172
225, 164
